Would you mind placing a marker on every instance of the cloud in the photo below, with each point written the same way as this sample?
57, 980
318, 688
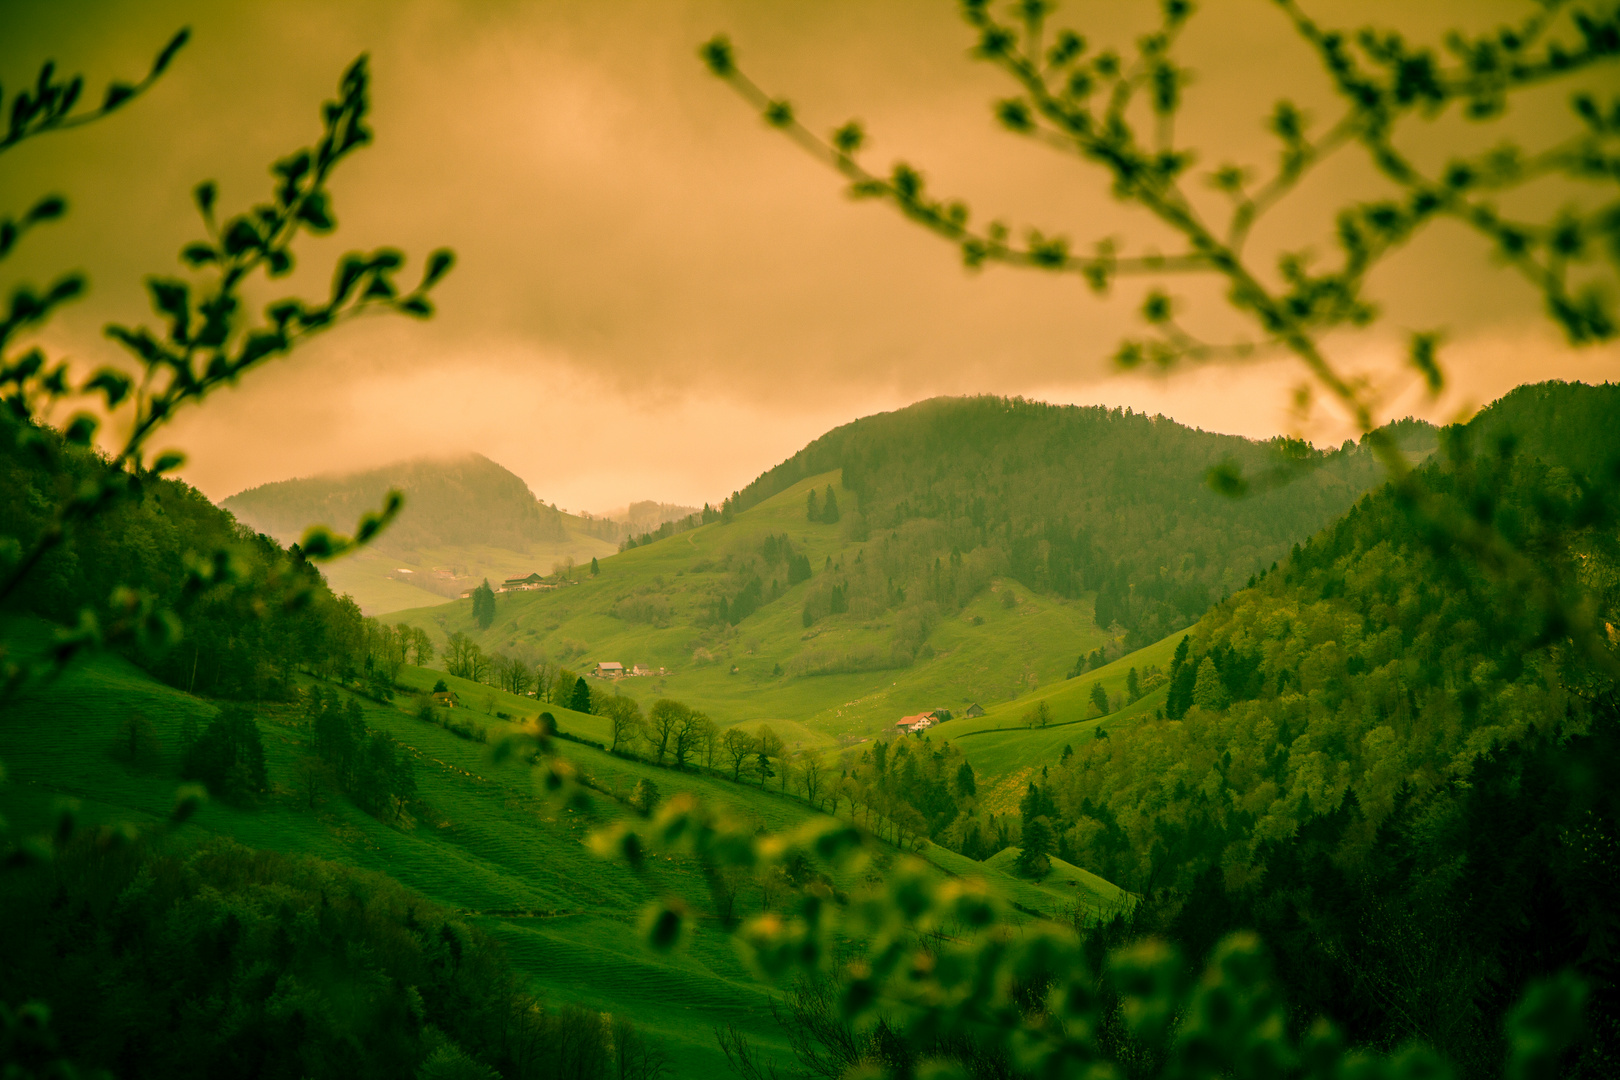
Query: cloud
656, 296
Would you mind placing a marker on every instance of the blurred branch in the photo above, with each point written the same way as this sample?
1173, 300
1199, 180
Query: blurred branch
54, 106
205, 344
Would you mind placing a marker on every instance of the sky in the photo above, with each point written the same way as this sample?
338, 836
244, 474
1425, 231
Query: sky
658, 297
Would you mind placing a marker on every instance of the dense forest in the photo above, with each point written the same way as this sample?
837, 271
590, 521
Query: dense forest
244, 636
1069, 500
1393, 763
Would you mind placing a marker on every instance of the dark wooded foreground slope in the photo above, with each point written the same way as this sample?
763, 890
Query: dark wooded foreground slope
241, 640
1392, 763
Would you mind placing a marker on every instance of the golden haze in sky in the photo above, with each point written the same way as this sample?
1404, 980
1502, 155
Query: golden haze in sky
658, 297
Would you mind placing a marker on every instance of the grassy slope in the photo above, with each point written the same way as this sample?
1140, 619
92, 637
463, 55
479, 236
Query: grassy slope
364, 575
1006, 752
486, 844
1065, 882
1012, 650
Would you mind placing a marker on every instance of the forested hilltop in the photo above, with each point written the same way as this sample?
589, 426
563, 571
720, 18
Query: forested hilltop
1078, 499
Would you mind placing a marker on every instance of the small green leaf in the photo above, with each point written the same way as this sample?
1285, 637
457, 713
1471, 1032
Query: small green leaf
175, 44
117, 94
114, 384
1542, 1025
48, 209
1422, 353
168, 461
198, 254
1227, 479
241, 237
662, 926
316, 212
1156, 308
1014, 115
439, 264
188, 799
318, 543
779, 114
66, 288
717, 56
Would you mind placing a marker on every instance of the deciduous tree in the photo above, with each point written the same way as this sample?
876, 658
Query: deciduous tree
738, 746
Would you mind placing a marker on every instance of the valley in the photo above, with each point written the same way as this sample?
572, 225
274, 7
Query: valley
1140, 612
1078, 773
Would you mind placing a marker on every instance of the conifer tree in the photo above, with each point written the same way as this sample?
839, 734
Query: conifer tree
1208, 690
966, 785
1035, 848
812, 508
581, 700
829, 507
483, 605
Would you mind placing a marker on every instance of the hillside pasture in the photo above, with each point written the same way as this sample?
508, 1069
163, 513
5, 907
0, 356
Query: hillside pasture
653, 605
481, 838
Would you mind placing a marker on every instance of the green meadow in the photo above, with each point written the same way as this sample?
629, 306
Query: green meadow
482, 840
994, 651
374, 580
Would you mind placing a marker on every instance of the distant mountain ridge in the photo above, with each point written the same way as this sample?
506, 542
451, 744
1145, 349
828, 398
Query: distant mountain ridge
454, 502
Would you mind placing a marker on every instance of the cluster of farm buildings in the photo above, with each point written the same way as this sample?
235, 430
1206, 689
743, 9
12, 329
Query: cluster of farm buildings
533, 583
612, 669
916, 725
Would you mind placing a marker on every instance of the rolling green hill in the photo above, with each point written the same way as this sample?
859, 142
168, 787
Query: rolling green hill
653, 606
465, 519
1074, 500
481, 839
972, 546
1006, 747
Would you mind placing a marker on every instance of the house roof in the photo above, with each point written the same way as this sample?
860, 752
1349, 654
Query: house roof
610, 665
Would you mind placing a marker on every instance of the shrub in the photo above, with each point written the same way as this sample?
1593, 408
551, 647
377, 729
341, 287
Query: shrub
229, 757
